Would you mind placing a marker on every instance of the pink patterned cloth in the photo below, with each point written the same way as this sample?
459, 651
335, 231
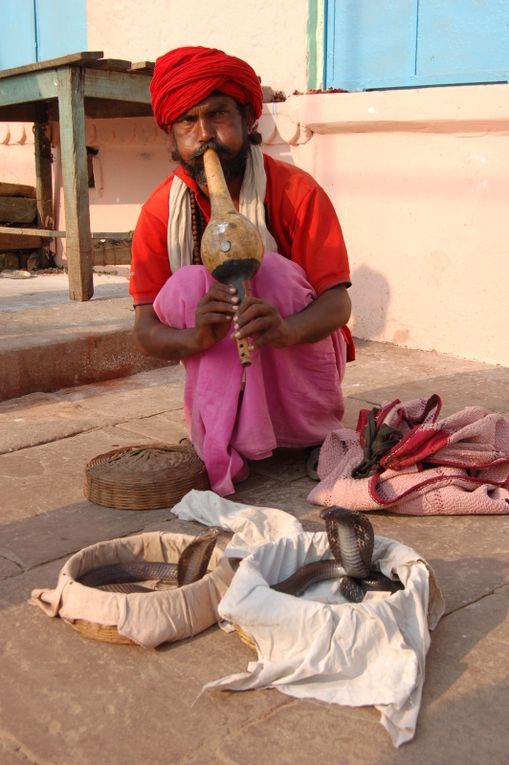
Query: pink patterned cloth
292, 397
455, 466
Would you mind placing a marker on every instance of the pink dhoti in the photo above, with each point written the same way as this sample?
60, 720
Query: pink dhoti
292, 396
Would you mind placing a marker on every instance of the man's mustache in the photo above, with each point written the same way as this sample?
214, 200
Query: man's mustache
222, 151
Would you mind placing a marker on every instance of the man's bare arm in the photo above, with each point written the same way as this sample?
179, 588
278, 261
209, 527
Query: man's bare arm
153, 338
262, 322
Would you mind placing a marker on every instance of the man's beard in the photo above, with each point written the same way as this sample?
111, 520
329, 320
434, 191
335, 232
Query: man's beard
233, 165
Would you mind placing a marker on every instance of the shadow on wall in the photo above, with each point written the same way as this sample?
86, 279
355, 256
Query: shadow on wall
370, 294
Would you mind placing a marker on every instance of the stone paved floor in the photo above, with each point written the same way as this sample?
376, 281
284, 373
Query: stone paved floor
66, 700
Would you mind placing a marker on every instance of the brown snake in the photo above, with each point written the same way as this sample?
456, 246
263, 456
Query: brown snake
123, 577
351, 539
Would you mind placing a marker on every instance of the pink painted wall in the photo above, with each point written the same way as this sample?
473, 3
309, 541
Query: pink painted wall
418, 178
133, 157
271, 35
17, 153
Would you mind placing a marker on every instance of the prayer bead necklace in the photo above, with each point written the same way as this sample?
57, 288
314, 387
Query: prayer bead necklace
197, 227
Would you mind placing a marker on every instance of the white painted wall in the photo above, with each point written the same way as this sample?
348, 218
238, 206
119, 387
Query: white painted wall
269, 34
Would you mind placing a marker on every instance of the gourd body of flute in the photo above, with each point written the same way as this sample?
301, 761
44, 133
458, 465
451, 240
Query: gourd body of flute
231, 247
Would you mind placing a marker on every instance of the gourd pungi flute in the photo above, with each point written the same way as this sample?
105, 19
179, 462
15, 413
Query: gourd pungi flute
231, 247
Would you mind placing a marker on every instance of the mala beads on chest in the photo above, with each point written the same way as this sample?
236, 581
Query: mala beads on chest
197, 227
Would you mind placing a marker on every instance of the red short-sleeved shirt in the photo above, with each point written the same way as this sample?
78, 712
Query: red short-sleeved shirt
300, 217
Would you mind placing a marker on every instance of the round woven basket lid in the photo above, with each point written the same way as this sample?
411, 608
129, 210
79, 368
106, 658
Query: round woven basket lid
144, 477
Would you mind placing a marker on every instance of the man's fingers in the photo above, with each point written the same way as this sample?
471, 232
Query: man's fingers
214, 318
261, 324
250, 304
261, 338
253, 312
224, 292
215, 306
256, 317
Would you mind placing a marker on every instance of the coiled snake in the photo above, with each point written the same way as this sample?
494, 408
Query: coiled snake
124, 577
351, 539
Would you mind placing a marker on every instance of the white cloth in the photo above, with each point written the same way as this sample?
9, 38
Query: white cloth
319, 646
251, 199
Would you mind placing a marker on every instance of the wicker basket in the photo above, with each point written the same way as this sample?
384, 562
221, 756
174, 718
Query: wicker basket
144, 477
166, 613
245, 638
94, 631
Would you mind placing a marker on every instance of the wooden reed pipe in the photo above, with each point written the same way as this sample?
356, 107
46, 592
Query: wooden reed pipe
231, 247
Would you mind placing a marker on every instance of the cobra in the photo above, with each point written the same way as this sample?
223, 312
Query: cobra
351, 540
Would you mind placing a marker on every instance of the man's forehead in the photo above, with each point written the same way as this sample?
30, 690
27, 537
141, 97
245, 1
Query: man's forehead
211, 102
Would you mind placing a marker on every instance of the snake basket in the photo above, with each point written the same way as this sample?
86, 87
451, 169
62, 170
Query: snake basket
144, 477
245, 638
106, 634
163, 613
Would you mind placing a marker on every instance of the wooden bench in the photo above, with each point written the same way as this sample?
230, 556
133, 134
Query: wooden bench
67, 90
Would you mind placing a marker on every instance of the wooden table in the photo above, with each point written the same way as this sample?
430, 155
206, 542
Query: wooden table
67, 90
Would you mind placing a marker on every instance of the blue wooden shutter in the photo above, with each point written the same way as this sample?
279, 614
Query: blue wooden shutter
17, 33
408, 43
35, 30
463, 41
61, 27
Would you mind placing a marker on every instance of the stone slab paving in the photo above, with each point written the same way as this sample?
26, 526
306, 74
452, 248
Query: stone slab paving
46, 288
67, 699
40, 418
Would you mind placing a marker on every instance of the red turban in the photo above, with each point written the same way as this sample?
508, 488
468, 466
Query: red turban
185, 76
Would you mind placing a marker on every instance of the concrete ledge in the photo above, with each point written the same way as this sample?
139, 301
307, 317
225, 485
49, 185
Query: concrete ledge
48, 342
465, 108
76, 361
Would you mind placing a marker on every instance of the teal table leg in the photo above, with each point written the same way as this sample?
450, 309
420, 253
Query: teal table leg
75, 181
